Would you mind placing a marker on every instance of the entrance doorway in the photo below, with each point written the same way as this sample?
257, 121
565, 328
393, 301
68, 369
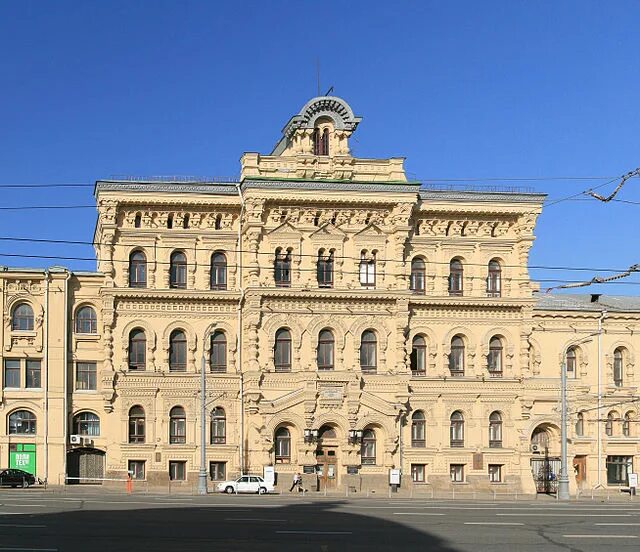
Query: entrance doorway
85, 466
580, 469
327, 458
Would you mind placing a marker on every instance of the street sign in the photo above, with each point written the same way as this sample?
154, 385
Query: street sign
394, 477
633, 480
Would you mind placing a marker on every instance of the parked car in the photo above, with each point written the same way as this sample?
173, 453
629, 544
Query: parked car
16, 478
245, 484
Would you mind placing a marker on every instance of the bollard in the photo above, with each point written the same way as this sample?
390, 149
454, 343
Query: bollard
129, 485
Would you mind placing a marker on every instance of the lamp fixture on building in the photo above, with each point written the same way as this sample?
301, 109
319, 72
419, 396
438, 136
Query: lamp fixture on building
355, 436
310, 435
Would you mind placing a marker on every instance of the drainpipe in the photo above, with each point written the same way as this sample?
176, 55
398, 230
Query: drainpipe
65, 364
46, 375
239, 326
603, 314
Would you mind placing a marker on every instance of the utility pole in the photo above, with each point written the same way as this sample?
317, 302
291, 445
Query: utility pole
563, 482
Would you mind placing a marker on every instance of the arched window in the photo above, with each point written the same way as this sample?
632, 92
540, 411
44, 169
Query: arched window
22, 318
368, 448
495, 430
282, 268
418, 429
419, 356
618, 363
571, 363
218, 356
218, 427
417, 282
321, 141
608, 426
326, 344
22, 422
540, 437
580, 425
178, 270
86, 423
86, 320
368, 351
325, 269
626, 424
456, 357
136, 424
456, 430
282, 351
170, 221
137, 349
185, 222
367, 270
137, 221
456, 273
283, 446
177, 351
218, 271
494, 279
137, 269
494, 358
177, 426
217, 225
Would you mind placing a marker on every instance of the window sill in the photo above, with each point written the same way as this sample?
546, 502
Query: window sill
86, 391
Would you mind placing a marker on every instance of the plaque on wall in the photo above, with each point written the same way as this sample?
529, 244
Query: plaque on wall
352, 470
308, 469
477, 461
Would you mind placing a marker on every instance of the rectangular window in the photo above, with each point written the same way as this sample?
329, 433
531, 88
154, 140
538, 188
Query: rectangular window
495, 473
217, 471
457, 473
177, 471
33, 374
11, 373
618, 469
417, 473
86, 376
368, 273
136, 469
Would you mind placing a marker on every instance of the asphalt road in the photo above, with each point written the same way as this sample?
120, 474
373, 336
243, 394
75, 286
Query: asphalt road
37, 521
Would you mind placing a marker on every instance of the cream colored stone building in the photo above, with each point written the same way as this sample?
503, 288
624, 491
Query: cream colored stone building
349, 323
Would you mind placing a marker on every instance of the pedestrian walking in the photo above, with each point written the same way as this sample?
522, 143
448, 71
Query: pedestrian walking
296, 481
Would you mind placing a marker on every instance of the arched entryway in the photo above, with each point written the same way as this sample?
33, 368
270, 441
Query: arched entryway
545, 460
327, 457
85, 466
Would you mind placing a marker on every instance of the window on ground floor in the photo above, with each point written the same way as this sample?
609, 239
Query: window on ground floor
457, 473
177, 470
217, 471
417, 473
136, 469
495, 473
618, 469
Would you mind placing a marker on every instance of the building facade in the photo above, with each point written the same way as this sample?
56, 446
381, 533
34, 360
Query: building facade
349, 323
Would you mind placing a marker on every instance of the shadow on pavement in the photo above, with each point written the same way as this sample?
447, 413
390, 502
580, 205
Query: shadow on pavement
235, 526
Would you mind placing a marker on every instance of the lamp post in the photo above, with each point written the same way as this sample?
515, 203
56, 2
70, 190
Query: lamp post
563, 480
202, 475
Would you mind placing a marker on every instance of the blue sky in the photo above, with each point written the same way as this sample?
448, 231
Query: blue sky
462, 89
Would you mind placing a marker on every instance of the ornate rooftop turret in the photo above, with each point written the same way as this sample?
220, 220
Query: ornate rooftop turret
315, 146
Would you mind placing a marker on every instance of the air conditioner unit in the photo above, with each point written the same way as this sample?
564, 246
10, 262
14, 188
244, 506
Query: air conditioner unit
87, 442
75, 439
535, 449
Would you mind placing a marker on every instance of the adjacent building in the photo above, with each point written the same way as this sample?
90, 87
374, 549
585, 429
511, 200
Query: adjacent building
350, 322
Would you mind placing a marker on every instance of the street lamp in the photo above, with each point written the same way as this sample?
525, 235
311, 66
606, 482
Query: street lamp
563, 480
202, 475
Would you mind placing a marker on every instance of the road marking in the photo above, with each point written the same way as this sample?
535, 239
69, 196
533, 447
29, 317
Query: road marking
598, 537
568, 515
312, 533
30, 549
625, 524
491, 523
416, 514
255, 519
20, 525
23, 506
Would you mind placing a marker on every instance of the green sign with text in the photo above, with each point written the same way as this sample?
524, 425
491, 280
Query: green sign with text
23, 457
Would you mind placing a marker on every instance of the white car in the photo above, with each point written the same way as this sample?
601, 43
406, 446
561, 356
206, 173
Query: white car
246, 484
